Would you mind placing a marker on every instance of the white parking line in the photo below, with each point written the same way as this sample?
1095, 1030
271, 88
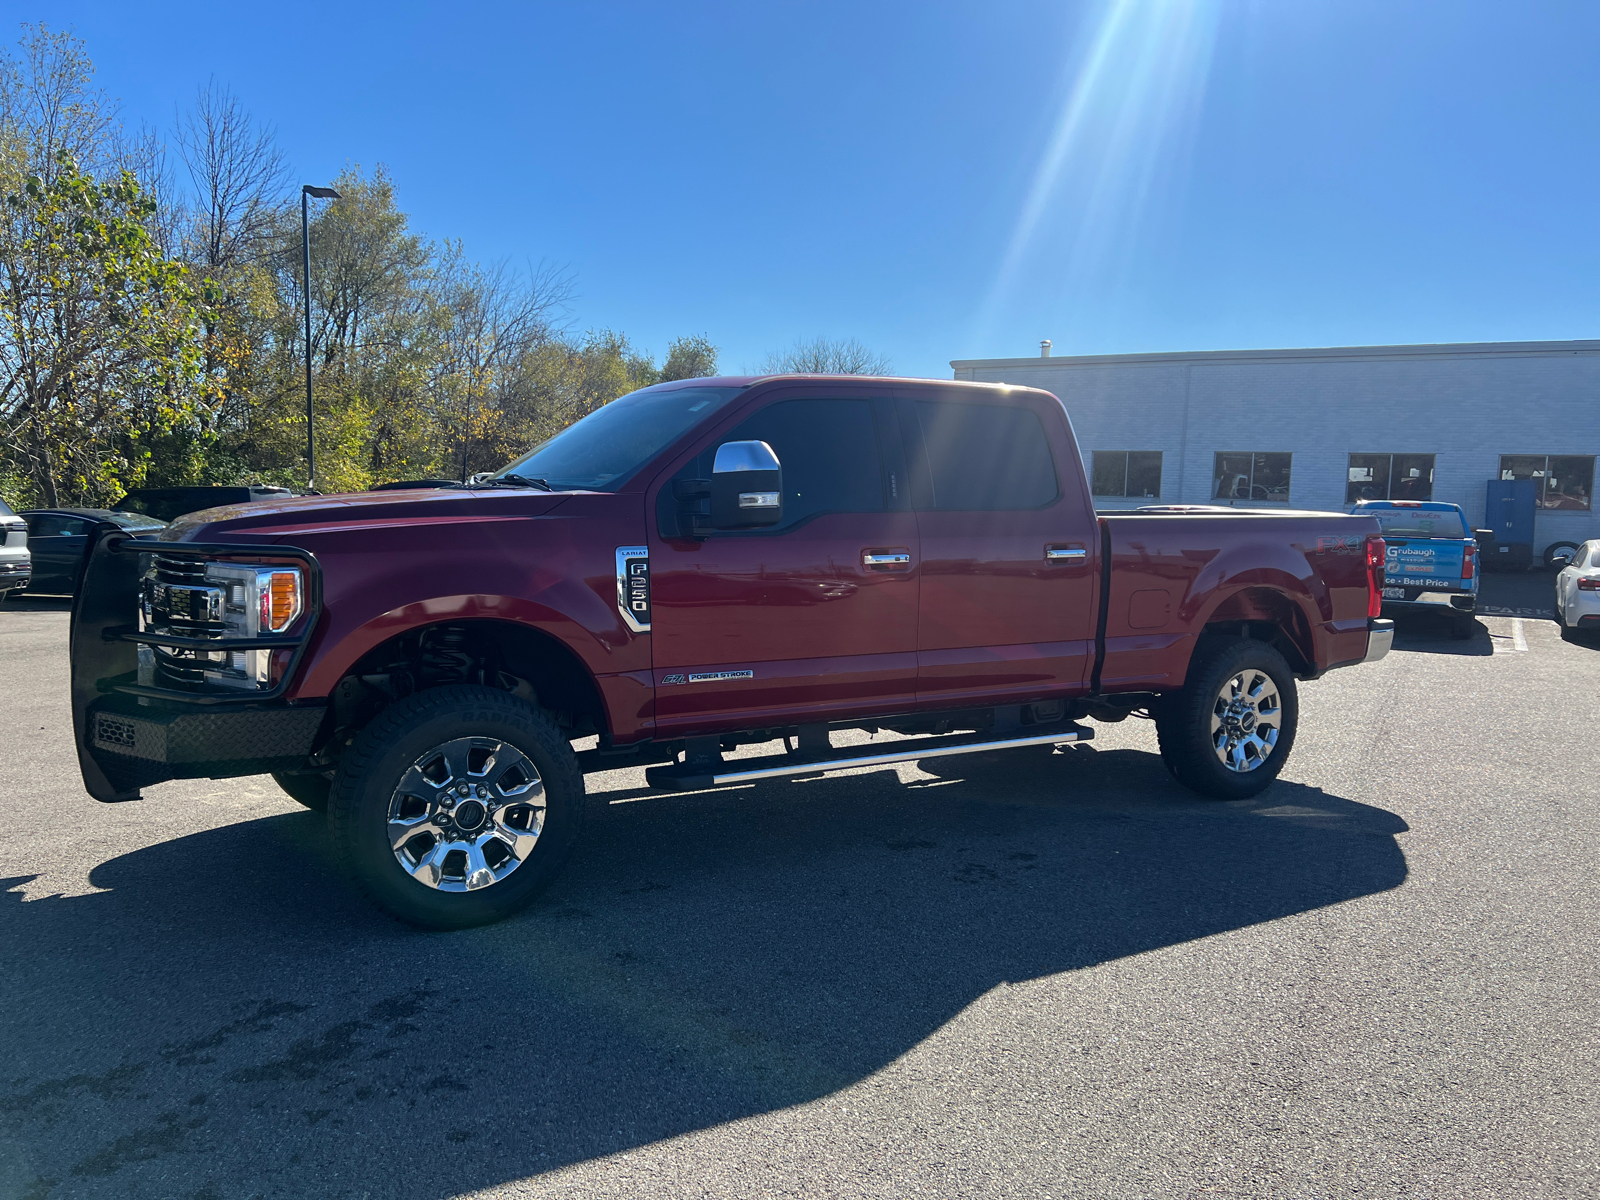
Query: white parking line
1516, 642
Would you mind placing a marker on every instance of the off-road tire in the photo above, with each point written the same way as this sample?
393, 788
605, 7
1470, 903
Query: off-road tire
308, 790
1183, 719
371, 770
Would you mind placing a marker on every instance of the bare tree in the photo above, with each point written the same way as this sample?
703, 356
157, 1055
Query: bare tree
494, 318
239, 176
145, 154
825, 356
50, 106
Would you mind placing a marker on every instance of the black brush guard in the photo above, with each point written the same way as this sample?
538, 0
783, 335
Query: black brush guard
130, 735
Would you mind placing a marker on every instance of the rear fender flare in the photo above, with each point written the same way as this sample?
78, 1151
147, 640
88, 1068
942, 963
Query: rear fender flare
1271, 594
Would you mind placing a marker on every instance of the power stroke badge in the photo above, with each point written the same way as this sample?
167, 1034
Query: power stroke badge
707, 676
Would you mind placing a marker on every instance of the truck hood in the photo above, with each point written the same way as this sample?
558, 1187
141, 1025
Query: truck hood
283, 520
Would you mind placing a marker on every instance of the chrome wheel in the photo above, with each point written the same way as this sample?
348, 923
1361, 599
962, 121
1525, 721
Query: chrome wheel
1246, 719
466, 814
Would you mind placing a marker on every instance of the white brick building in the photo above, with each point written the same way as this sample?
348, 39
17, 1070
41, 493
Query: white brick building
1373, 420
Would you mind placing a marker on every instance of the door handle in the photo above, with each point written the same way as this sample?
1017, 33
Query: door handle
871, 558
1069, 554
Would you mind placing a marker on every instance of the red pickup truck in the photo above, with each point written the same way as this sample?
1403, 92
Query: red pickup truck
695, 567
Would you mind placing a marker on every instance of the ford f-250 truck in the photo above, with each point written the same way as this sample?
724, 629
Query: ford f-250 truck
695, 567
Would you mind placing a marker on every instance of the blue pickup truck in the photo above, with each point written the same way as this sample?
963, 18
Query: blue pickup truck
1432, 559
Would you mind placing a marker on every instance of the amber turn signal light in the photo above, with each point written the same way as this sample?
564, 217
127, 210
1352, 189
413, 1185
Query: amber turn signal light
280, 600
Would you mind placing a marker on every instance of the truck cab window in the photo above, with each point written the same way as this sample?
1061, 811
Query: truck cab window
981, 457
828, 450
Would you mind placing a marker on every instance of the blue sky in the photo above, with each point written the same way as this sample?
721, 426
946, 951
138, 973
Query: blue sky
950, 180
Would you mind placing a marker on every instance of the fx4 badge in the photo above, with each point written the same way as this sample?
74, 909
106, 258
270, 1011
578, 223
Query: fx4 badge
633, 586
1340, 545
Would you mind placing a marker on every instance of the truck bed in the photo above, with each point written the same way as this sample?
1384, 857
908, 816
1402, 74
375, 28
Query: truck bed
1172, 573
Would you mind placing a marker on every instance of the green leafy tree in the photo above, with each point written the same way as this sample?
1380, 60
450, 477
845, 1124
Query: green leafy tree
690, 358
154, 334
101, 335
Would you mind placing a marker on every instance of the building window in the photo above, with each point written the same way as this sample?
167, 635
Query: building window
1242, 476
1389, 477
1127, 473
1565, 480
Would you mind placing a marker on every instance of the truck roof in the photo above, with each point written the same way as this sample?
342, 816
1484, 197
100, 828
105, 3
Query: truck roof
902, 380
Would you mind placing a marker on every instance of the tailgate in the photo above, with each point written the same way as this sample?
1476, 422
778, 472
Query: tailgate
1424, 562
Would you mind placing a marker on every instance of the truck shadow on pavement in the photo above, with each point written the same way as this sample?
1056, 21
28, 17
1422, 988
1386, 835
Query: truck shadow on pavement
230, 1018
1427, 633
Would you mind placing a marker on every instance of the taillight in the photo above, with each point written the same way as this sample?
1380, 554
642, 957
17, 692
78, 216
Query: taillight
1589, 585
1377, 550
1469, 562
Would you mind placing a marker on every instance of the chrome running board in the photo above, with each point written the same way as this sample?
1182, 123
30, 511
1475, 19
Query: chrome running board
698, 775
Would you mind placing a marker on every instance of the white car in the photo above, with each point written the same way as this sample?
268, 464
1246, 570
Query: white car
1578, 590
16, 560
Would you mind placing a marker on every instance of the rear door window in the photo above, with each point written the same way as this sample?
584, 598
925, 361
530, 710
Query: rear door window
979, 457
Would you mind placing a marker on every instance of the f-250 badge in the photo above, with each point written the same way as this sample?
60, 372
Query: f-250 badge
633, 586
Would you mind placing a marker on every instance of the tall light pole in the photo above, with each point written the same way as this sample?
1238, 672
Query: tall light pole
322, 193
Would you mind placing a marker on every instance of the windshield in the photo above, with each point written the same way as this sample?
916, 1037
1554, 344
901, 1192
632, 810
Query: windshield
5, 511
136, 521
598, 453
1418, 522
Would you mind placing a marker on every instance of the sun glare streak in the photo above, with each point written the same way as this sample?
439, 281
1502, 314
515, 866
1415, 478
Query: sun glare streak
1124, 124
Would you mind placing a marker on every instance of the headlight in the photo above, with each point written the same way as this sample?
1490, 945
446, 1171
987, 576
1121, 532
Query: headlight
217, 600
257, 601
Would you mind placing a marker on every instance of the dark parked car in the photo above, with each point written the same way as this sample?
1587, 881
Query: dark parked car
406, 485
58, 537
170, 503
15, 561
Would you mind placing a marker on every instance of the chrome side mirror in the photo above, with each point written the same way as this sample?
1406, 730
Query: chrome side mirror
746, 486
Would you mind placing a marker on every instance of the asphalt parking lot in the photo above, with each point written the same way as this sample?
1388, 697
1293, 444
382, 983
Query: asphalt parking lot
1051, 975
